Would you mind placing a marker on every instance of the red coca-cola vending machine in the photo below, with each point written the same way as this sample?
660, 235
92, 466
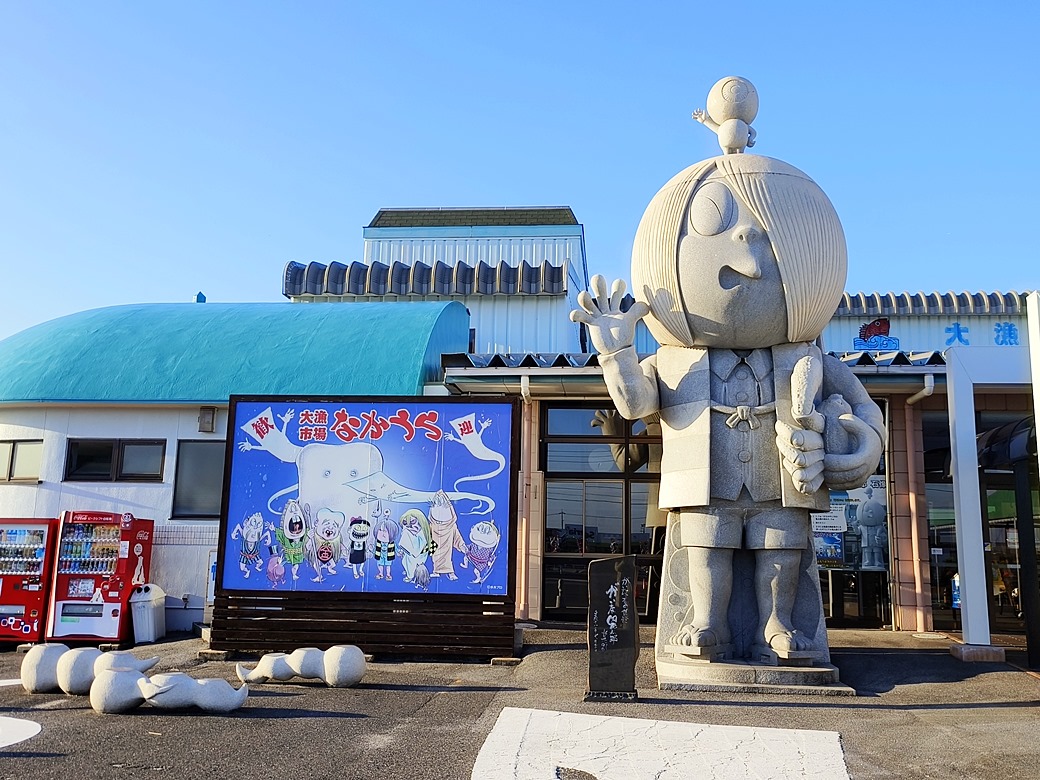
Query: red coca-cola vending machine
26, 562
101, 557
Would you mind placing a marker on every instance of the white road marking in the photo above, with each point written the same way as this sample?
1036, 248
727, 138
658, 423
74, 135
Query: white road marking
527, 744
14, 730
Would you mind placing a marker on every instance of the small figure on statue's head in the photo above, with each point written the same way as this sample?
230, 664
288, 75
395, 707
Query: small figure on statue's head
732, 107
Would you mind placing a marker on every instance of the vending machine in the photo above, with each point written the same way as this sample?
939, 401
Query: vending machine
26, 558
101, 557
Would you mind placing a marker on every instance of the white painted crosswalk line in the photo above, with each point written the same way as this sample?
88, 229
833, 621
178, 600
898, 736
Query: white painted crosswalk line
530, 744
15, 730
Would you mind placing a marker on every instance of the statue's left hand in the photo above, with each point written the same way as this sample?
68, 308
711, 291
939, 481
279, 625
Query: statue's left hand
841, 471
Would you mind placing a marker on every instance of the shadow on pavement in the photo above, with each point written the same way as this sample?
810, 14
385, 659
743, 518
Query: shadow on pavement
29, 754
436, 688
842, 703
880, 670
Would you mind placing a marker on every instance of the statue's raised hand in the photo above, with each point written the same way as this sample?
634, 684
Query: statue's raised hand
609, 328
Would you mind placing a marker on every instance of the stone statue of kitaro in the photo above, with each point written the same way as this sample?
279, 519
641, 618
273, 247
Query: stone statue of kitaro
738, 264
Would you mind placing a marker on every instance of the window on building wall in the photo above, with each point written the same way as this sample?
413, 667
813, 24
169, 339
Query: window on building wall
108, 460
199, 480
20, 460
601, 487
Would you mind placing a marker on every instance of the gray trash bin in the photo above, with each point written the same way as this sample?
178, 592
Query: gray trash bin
148, 611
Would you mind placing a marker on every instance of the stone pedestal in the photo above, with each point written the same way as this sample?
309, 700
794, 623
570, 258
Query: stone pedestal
981, 653
747, 663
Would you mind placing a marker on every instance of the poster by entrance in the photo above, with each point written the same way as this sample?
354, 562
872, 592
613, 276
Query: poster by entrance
369, 495
854, 533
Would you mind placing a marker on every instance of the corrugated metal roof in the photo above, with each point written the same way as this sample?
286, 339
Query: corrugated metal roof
455, 217
194, 353
908, 359
893, 304
418, 278
590, 359
578, 375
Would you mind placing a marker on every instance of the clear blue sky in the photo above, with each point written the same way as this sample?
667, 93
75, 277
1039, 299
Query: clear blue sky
152, 150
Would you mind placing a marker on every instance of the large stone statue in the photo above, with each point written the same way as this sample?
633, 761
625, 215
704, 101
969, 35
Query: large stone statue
738, 264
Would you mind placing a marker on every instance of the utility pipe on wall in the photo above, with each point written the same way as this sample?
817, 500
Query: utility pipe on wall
918, 524
523, 530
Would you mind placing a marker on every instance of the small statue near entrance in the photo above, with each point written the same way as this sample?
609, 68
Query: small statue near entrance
738, 264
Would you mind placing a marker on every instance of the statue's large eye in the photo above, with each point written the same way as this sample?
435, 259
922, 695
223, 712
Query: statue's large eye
712, 209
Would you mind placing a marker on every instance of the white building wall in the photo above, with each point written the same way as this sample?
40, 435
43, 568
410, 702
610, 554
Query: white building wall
181, 550
519, 324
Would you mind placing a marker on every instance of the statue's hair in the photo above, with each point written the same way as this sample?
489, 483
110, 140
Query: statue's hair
798, 219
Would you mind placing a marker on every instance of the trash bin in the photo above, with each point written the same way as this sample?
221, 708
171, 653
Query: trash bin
148, 611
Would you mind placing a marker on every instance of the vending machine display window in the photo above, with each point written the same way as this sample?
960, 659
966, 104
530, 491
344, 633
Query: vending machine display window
26, 555
81, 588
82, 610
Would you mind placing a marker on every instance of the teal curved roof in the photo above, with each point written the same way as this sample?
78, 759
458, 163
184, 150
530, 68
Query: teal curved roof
205, 352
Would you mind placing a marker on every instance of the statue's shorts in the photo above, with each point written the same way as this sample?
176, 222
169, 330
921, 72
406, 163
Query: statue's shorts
767, 525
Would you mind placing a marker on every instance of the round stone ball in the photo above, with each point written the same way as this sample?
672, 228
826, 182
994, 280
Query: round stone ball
116, 690
344, 666
39, 670
733, 98
76, 670
733, 134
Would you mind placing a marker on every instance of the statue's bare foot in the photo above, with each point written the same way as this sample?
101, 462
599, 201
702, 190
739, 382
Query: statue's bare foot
694, 636
788, 640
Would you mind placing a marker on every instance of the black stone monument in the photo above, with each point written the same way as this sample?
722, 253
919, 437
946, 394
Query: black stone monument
613, 630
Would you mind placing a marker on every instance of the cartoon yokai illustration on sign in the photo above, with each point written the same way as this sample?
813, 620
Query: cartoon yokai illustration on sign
344, 495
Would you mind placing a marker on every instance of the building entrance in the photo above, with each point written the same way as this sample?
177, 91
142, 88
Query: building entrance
601, 487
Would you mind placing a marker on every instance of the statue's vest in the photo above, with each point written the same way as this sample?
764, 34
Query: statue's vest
684, 387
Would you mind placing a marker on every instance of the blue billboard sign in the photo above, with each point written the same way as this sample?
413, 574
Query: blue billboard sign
369, 496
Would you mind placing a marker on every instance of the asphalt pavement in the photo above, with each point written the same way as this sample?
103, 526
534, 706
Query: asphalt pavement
918, 713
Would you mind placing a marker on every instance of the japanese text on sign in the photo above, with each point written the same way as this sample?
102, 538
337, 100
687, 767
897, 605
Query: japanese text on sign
314, 425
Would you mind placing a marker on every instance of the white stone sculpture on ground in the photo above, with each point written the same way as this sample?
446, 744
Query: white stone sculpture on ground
117, 690
123, 659
39, 671
737, 266
121, 690
341, 666
178, 690
76, 670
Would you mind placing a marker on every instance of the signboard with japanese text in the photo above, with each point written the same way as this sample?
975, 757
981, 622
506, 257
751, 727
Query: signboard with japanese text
375, 495
926, 333
853, 533
613, 629
830, 549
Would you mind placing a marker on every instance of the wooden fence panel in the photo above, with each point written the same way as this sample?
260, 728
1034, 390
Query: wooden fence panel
391, 624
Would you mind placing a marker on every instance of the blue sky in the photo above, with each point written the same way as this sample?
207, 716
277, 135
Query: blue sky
152, 150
